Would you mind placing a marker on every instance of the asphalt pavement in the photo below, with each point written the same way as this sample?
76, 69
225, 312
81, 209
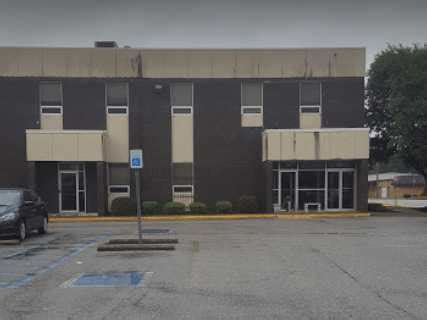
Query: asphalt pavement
362, 268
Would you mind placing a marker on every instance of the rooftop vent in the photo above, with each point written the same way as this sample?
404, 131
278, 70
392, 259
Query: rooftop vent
105, 44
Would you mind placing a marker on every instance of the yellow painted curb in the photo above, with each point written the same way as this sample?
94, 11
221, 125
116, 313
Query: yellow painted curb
296, 216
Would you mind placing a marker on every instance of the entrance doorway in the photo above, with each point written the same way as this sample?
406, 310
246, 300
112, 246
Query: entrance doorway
287, 187
72, 188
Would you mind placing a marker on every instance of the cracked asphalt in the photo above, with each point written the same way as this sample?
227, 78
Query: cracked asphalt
363, 268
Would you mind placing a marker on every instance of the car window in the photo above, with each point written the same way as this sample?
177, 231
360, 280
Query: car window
9, 197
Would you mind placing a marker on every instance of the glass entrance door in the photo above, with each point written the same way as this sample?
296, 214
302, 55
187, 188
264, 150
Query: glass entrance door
68, 199
340, 195
287, 190
333, 201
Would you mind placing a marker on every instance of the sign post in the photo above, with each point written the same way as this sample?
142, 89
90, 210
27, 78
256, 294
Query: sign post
136, 163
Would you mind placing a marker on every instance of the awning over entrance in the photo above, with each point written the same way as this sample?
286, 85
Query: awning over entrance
65, 145
315, 144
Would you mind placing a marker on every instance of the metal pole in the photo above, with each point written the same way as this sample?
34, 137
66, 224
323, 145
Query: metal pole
138, 202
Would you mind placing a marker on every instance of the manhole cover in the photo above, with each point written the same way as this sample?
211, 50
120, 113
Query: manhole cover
107, 279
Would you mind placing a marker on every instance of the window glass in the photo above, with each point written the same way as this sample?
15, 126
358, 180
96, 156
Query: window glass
252, 110
310, 93
311, 196
119, 189
311, 179
119, 174
347, 179
50, 94
182, 189
117, 110
251, 93
181, 110
310, 109
9, 197
117, 94
181, 94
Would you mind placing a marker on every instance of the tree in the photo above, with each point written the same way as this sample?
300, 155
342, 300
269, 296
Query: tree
397, 106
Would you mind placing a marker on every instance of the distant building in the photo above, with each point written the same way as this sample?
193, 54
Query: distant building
395, 185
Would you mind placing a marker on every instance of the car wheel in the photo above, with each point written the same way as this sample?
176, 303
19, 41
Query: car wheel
43, 228
22, 231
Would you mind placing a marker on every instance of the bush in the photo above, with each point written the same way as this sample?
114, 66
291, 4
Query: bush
174, 208
376, 207
247, 204
123, 207
223, 207
151, 207
198, 207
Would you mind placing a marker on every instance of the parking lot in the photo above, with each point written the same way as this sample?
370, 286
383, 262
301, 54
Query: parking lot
365, 268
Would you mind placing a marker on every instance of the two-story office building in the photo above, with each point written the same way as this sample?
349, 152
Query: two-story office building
283, 125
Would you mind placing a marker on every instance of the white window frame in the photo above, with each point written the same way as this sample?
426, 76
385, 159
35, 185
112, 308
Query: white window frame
296, 170
242, 107
51, 107
117, 107
319, 109
173, 108
119, 186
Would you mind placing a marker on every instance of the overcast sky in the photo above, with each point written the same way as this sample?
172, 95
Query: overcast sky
214, 23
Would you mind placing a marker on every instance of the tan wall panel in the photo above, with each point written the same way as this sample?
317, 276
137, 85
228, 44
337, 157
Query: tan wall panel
182, 138
51, 122
79, 62
252, 120
8, 62
271, 64
317, 144
247, 64
90, 147
117, 139
319, 64
182, 63
349, 62
200, 64
273, 151
128, 61
305, 146
103, 62
65, 147
39, 147
223, 64
29, 62
55, 62
294, 63
310, 120
287, 146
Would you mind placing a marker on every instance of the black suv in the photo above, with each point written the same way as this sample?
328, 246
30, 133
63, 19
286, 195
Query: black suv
21, 211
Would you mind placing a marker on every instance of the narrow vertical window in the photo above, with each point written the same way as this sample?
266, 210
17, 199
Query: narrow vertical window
252, 103
117, 97
50, 94
310, 104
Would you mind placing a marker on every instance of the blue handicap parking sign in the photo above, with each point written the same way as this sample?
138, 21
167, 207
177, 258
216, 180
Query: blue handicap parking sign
135, 158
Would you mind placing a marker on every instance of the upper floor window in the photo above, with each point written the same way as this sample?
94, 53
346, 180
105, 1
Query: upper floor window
117, 97
251, 95
181, 98
310, 93
50, 94
181, 94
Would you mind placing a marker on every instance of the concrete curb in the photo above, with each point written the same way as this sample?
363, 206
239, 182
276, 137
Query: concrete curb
296, 216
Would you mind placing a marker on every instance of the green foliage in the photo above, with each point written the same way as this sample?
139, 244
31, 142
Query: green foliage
247, 204
198, 207
223, 207
397, 106
151, 207
174, 208
123, 207
376, 207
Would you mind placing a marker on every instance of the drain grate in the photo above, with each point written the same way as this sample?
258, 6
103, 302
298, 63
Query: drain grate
107, 279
